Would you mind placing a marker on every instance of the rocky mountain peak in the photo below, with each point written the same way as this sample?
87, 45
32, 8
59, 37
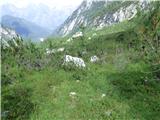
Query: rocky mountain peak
100, 13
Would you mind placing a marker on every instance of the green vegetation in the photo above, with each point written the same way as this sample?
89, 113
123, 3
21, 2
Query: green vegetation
123, 85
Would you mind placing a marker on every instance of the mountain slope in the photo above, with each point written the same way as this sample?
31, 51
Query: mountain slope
24, 28
98, 14
9, 38
122, 84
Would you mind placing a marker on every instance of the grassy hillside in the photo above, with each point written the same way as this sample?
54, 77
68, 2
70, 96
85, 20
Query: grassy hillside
123, 85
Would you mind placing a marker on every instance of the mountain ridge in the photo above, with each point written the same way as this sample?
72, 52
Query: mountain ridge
96, 14
38, 13
25, 28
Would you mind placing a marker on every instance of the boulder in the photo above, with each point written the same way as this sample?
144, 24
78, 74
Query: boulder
89, 38
50, 51
60, 49
69, 40
78, 62
103, 95
94, 34
77, 35
94, 59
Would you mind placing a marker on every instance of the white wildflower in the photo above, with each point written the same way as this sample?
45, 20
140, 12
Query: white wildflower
103, 95
72, 94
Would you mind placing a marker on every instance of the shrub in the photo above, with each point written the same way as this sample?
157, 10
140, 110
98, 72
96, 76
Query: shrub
16, 102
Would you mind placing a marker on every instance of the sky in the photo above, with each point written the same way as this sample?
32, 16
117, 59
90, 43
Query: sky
49, 3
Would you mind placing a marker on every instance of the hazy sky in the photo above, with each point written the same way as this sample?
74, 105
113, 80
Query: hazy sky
50, 3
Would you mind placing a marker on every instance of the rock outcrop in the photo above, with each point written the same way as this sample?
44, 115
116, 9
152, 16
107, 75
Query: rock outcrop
100, 13
78, 62
8, 36
77, 35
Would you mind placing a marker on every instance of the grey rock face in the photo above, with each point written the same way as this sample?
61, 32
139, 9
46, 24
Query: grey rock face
7, 35
90, 14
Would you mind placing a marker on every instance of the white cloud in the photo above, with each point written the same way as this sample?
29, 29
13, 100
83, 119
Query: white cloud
50, 3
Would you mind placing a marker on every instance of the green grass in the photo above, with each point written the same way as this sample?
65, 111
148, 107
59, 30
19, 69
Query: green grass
127, 94
128, 97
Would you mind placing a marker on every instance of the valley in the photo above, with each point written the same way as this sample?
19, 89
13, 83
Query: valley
86, 71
